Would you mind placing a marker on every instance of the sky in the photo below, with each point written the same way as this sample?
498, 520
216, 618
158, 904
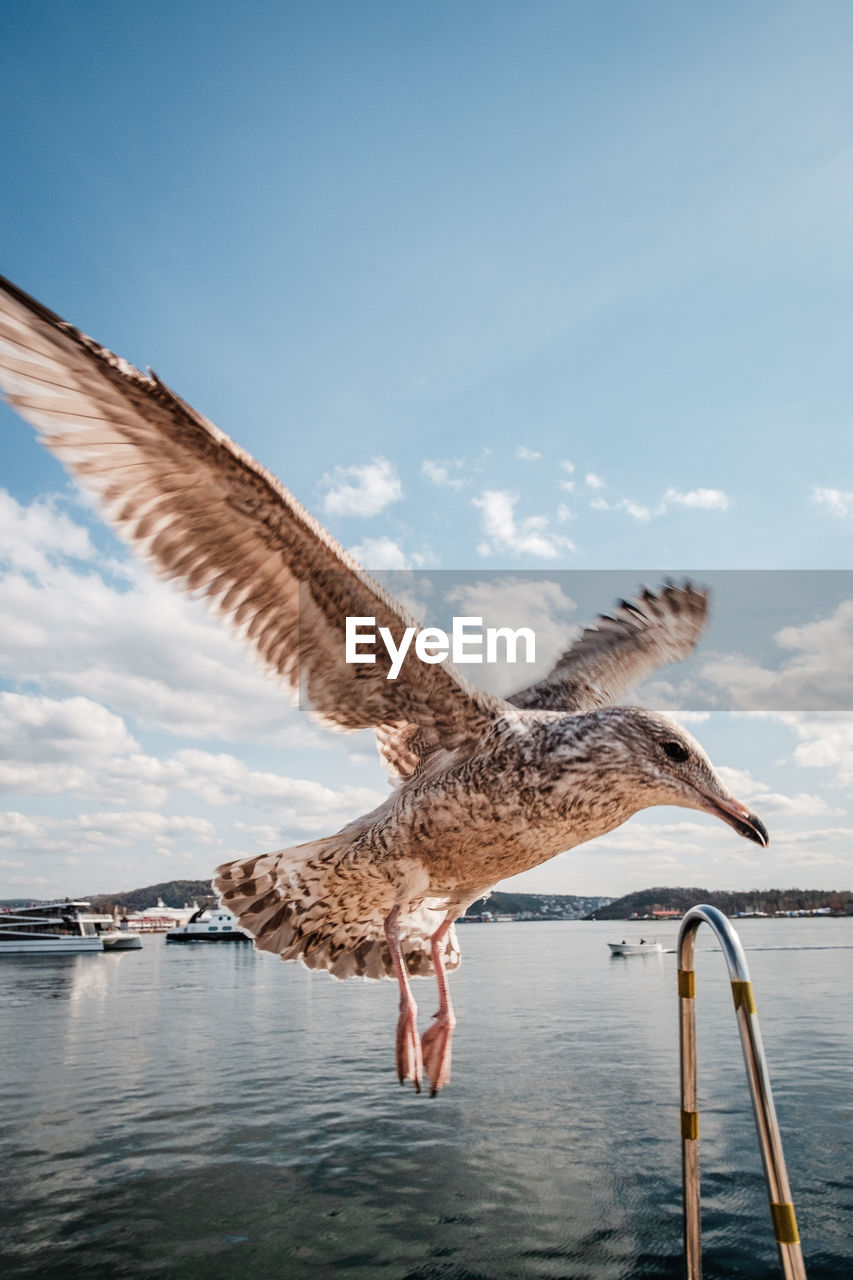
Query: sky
514, 289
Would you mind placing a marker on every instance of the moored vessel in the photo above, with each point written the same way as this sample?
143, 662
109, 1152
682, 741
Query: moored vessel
210, 924
48, 928
112, 937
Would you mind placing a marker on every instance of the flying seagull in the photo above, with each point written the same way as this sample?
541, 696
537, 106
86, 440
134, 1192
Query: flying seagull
486, 787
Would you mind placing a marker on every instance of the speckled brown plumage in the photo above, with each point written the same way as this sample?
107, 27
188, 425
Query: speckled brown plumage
486, 787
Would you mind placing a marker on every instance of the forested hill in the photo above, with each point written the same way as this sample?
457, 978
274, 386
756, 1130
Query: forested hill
541, 906
645, 902
531, 906
537, 906
174, 893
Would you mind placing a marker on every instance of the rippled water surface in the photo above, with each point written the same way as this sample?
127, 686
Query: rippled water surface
210, 1112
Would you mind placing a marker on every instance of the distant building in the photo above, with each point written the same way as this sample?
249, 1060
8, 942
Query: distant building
160, 918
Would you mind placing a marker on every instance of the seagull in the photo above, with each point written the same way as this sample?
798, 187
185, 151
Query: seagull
485, 787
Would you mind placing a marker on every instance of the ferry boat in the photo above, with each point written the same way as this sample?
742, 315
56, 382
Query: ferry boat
210, 924
48, 928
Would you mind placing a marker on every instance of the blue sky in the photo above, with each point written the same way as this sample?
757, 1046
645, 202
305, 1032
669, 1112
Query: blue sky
558, 286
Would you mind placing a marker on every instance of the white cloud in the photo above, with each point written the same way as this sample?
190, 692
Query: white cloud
698, 499
112, 831
128, 827
826, 741
363, 490
381, 553
75, 747
116, 781
594, 481
838, 502
299, 803
648, 837
98, 652
818, 676
814, 847
527, 455
751, 791
440, 473
40, 728
694, 499
142, 648
518, 602
15, 825
70, 747
98, 840
624, 504
31, 536
647, 850
527, 537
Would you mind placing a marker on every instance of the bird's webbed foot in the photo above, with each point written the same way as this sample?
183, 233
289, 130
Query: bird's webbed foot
436, 1047
409, 1058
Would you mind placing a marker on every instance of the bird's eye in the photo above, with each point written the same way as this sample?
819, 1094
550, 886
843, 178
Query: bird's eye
675, 751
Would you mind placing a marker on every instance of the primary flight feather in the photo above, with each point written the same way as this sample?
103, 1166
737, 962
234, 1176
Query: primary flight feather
486, 787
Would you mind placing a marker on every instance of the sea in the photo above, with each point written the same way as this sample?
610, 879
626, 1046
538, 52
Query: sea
209, 1113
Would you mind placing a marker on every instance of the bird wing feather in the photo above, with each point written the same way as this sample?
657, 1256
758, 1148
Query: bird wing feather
206, 514
620, 649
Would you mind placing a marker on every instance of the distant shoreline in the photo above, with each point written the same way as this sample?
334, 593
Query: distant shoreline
658, 904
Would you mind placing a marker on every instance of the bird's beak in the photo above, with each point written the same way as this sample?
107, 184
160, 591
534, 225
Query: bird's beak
737, 816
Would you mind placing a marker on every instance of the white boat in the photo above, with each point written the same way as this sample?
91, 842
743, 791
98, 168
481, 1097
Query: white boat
112, 937
47, 928
645, 947
120, 940
160, 918
210, 924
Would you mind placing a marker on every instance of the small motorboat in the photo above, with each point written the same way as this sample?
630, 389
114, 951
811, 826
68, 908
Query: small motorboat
120, 940
113, 938
645, 947
210, 924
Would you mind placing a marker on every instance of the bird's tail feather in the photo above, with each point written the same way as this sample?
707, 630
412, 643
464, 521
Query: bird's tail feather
314, 903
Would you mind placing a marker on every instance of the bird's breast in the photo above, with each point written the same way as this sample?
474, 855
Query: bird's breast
461, 831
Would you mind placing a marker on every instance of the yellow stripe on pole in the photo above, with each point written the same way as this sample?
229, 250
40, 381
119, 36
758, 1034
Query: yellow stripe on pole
743, 997
690, 1125
784, 1223
686, 984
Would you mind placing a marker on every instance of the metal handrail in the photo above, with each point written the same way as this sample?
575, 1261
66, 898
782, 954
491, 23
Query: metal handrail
769, 1138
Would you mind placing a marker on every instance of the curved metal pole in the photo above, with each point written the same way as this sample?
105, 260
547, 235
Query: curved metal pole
769, 1138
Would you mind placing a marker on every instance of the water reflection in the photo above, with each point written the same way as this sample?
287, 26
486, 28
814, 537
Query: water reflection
203, 1111
24, 979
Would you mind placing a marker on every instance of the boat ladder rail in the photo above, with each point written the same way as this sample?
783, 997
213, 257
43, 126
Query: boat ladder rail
769, 1138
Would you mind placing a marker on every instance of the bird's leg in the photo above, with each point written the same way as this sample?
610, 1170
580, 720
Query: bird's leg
409, 1060
436, 1043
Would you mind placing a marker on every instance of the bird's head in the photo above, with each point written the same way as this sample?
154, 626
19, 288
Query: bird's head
647, 759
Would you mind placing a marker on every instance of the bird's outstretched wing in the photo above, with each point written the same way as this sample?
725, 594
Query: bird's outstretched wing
620, 649
207, 515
